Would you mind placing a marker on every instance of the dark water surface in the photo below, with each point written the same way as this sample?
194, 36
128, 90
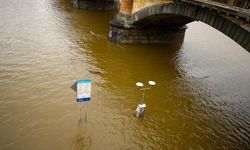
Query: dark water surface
201, 100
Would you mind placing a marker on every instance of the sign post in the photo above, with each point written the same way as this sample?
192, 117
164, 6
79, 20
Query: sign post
83, 94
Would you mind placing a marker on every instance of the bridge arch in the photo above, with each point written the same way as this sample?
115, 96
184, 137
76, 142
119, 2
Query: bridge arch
178, 14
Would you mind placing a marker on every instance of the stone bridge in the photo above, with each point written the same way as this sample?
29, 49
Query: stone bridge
164, 21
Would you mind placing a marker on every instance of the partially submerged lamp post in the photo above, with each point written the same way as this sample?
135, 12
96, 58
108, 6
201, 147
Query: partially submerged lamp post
139, 112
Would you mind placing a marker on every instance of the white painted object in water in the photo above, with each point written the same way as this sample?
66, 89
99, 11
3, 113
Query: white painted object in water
139, 112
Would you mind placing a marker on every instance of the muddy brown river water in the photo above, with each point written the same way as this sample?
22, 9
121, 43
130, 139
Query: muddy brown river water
201, 100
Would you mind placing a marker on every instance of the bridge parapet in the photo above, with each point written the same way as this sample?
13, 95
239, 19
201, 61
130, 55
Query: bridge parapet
245, 4
222, 6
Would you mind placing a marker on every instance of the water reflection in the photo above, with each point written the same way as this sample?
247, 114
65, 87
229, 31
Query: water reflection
82, 141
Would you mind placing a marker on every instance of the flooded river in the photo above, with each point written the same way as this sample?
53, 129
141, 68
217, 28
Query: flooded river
201, 100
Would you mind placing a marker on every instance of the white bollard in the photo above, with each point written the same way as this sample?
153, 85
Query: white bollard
139, 112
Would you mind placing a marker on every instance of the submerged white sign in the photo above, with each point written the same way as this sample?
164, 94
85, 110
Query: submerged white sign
83, 90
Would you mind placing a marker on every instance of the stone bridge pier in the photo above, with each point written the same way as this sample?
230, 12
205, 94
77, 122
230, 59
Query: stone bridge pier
152, 29
96, 4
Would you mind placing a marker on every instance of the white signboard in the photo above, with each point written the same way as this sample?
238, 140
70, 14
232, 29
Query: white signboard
83, 90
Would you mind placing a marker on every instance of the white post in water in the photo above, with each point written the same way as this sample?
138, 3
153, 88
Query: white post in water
139, 112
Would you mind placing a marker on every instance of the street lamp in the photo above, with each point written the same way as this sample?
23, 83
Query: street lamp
139, 112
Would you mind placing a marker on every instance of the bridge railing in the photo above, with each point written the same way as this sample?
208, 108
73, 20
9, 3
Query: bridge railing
245, 4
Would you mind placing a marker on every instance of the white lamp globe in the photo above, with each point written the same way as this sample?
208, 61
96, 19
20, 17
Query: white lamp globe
152, 83
139, 84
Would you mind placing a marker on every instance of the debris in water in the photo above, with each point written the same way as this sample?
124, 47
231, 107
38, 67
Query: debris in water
95, 72
91, 32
